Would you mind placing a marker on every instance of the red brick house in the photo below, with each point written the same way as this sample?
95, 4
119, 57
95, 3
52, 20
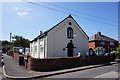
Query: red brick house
102, 44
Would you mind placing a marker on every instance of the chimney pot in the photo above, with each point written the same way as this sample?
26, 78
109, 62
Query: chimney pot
40, 32
98, 33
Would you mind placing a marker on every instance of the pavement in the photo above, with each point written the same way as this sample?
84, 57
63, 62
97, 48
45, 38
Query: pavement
12, 70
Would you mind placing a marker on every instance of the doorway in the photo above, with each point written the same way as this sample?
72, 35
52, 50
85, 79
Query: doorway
70, 47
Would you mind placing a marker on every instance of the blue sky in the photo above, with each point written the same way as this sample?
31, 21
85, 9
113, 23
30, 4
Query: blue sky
25, 19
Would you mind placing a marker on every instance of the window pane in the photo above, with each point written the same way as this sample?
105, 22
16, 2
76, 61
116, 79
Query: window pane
41, 49
111, 43
102, 43
35, 49
69, 32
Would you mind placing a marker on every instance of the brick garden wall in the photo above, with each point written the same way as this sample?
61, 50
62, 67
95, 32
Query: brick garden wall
54, 63
59, 63
97, 59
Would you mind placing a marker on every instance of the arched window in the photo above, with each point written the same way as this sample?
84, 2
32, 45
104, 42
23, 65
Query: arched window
69, 32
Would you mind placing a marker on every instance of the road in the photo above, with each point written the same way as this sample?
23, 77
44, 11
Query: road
110, 71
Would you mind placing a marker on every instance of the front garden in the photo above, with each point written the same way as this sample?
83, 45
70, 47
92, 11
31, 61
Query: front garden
115, 55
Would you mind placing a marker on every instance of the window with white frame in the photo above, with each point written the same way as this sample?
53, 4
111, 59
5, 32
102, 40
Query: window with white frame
35, 49
41, 40
111, 43
41, 49
31, 49
35, 42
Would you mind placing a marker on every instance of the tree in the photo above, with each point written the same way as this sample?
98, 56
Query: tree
19, 41
118, 49
2, 43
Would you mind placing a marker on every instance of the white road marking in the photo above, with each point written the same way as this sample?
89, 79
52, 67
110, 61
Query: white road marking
111, 74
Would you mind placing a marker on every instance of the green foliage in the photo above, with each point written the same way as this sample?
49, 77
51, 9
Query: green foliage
19, 41
2, 43
118, 49
115, 55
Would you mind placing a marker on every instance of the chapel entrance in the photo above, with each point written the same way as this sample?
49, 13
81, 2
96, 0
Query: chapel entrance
70, 47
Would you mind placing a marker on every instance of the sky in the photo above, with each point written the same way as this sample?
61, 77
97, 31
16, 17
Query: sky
27, 20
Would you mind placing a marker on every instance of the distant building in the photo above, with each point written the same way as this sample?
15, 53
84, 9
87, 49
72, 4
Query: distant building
5, 48
25, 50
66, 39
102, 44
16, 49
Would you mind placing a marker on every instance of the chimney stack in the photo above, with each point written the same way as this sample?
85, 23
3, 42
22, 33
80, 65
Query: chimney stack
98, 33
40, 32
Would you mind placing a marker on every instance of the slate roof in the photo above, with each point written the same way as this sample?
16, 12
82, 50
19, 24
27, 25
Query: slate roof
45, 33
101, 38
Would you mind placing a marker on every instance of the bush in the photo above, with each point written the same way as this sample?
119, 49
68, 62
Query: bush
117, 55
112, 56
118, 49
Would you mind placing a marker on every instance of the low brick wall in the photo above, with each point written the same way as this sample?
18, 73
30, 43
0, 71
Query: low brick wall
97, 59
54, 63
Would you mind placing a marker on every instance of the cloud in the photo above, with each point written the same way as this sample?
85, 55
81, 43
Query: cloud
17, 8
21, 8
22, 13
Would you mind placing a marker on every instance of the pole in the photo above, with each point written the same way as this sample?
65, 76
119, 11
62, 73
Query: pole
10, 40
10, 37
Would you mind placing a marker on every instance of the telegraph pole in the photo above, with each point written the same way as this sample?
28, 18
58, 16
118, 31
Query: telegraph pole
10, 40
10, 37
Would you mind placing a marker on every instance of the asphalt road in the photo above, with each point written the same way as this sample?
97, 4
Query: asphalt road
110, 71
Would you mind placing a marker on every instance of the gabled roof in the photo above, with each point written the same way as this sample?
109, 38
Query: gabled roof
99, 37
45, 33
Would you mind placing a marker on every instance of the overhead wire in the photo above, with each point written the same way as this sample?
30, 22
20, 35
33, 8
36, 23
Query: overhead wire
78, 11
71, 14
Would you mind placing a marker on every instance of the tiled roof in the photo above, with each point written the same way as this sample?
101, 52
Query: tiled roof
101, 38
45, 33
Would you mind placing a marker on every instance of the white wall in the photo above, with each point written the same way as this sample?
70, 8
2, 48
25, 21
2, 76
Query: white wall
57, 40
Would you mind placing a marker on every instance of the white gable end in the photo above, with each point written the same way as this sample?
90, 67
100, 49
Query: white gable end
57, 39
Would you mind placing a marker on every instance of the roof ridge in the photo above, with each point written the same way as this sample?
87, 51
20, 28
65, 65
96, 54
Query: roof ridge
58, 24
108, 37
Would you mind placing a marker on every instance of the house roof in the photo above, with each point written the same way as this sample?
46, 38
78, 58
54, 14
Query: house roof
45, 33
99, 37
6, 46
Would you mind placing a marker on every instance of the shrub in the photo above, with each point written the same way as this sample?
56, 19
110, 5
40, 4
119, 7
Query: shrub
112, 56
118, 49
117, 55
